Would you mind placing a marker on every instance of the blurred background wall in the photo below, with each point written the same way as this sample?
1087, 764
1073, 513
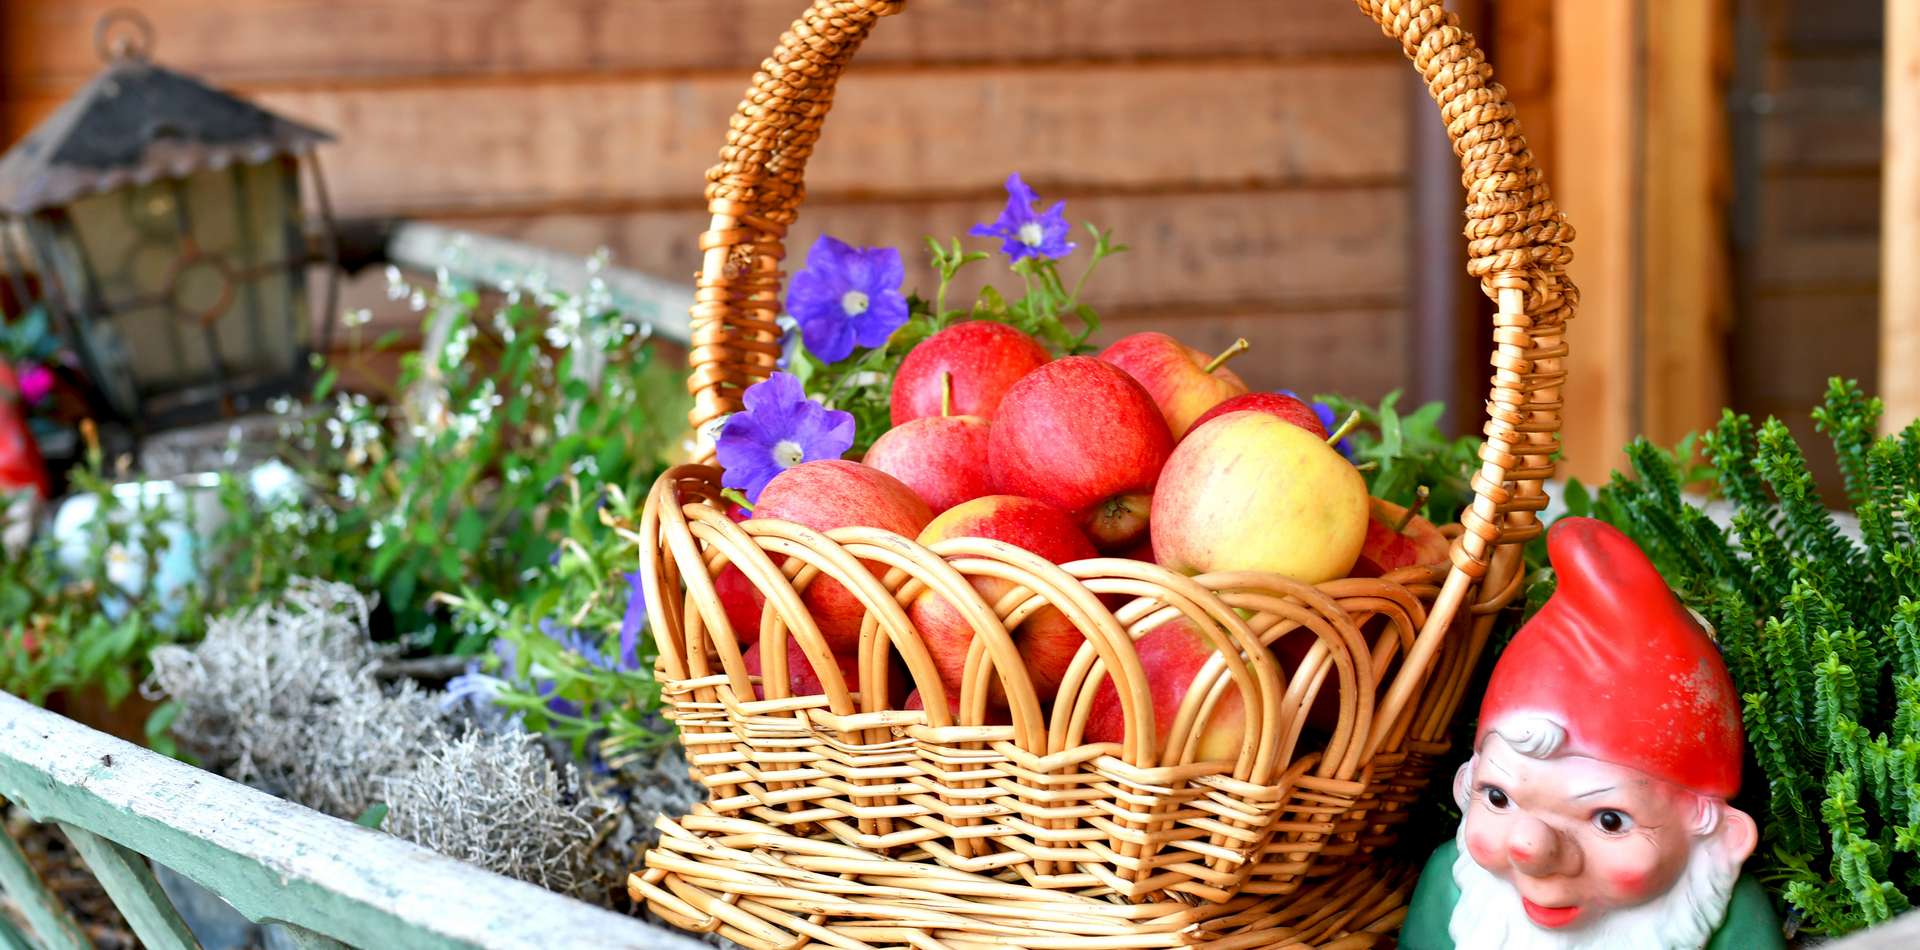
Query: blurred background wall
1273, 163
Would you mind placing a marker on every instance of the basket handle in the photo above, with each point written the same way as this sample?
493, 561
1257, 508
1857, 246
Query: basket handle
1517, 241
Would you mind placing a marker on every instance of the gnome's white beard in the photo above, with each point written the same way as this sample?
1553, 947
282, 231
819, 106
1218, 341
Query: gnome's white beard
1490, 914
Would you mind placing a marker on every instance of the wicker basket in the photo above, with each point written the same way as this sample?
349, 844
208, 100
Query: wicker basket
835, 820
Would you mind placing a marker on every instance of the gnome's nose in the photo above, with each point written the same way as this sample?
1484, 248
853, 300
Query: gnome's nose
1536, 849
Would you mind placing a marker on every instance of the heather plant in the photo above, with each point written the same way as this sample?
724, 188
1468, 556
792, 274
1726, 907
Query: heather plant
1821, 632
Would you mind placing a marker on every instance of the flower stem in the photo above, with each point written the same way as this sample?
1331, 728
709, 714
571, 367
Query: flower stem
1353, 420
1419, 502
734, 495
1239, 346
946, 394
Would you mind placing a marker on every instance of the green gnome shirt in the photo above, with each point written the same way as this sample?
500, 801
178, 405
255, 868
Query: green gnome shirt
1750, 924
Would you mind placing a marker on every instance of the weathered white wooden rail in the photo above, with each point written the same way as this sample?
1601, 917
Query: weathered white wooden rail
327, 882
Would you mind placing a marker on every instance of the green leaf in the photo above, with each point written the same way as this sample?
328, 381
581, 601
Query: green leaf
373, 817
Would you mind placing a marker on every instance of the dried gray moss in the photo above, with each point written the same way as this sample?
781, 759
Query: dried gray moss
287, 697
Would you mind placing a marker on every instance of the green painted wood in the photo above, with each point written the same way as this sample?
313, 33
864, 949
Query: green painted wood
44, 912
306, 939
274, 860
11, 938
129, 881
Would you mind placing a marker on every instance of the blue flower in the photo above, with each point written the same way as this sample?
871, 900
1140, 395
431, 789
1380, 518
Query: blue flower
780, 428
1328, 421
789, 340
1024, 232
577, 643
633, 622
846, 296
472, 688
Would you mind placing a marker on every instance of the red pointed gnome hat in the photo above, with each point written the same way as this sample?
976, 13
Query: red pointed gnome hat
1615, 659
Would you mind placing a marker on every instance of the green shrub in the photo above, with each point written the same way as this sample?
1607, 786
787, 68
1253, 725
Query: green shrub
1821, 634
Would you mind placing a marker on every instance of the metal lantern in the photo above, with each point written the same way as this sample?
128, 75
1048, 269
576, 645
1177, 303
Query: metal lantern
160, 221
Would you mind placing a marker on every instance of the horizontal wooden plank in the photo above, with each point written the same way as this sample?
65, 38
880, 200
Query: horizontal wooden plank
49, 43
1822, 113
1822, 26
516, 146
1203, 249
1821, 141
1786, 347
1818, 231
1279, 250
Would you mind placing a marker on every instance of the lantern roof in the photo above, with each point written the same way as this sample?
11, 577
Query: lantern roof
136, 123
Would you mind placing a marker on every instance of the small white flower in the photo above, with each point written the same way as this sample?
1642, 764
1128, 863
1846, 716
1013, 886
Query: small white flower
349, 487
397, 288
377, 536
357, 318
417, 302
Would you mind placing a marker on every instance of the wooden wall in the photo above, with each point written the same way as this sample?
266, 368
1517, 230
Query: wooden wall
1809, 213
1254, 153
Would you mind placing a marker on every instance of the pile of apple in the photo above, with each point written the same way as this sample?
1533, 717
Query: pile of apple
1152, 450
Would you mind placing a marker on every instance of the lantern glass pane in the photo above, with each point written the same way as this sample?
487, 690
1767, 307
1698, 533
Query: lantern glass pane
201, 276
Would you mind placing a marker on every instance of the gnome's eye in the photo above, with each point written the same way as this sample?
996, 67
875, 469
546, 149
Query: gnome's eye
1612, 822
1496, 798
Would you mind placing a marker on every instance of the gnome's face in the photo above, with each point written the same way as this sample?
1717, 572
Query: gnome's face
1576, 836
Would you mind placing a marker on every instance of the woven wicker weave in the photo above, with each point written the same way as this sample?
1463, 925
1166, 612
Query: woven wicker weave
836, 820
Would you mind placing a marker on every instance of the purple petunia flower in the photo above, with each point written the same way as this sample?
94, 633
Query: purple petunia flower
1328, 421
1024, 232
780, 428
633, 622
847, 296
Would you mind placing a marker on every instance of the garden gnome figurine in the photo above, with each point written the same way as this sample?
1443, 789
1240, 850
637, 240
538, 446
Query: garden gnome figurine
1595, 807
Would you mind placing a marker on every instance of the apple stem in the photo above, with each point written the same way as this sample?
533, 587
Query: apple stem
1353, 421
734, 495
1419, 502
1239, 346
946, 394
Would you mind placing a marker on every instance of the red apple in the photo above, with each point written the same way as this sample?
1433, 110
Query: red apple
1251, 492
1047, 640
983, 359
1397, 538
1183, 381
802, 680
942, 458
1082, 434
742, 602
996, 715
1141, 551
1280, 404
835, 493
1172, 654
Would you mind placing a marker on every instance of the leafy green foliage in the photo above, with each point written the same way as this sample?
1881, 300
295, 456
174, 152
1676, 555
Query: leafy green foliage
450, 484
588, 698
862, 384
1822, 636
1411, 451
82, 614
